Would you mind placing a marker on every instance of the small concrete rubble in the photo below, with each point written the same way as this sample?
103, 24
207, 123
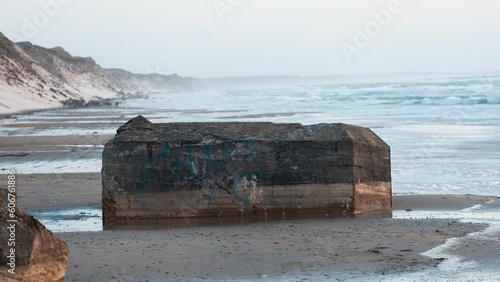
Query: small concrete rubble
176, 170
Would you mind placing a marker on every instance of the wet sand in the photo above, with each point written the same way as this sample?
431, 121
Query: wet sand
289, 250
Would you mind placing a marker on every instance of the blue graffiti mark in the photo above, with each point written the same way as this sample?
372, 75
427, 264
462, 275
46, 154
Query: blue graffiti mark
192, 165
164, 153
193, 170
228, 152
209, 159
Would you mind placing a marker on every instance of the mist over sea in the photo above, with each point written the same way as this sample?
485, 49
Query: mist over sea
444, 132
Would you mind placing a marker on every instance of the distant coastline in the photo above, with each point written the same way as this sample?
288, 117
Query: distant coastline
34, 78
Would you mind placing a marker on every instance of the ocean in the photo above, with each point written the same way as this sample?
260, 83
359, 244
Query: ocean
443, 132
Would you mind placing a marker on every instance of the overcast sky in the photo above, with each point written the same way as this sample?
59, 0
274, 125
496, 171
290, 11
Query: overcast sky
213, 38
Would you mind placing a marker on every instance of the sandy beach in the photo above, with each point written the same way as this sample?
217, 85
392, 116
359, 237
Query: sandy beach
318, 249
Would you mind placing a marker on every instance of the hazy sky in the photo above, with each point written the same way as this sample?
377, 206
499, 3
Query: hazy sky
211, 38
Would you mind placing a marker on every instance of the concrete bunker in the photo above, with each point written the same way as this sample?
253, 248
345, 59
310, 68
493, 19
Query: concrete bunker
219, 169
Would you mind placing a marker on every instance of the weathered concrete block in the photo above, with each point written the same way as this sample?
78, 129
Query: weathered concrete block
28, 251
223, 169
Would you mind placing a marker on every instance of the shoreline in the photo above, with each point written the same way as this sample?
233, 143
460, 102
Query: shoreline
41, 110
290, 250
93, 103
28, 112
99, 103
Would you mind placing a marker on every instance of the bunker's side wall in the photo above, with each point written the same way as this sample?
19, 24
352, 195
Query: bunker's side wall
183, 170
